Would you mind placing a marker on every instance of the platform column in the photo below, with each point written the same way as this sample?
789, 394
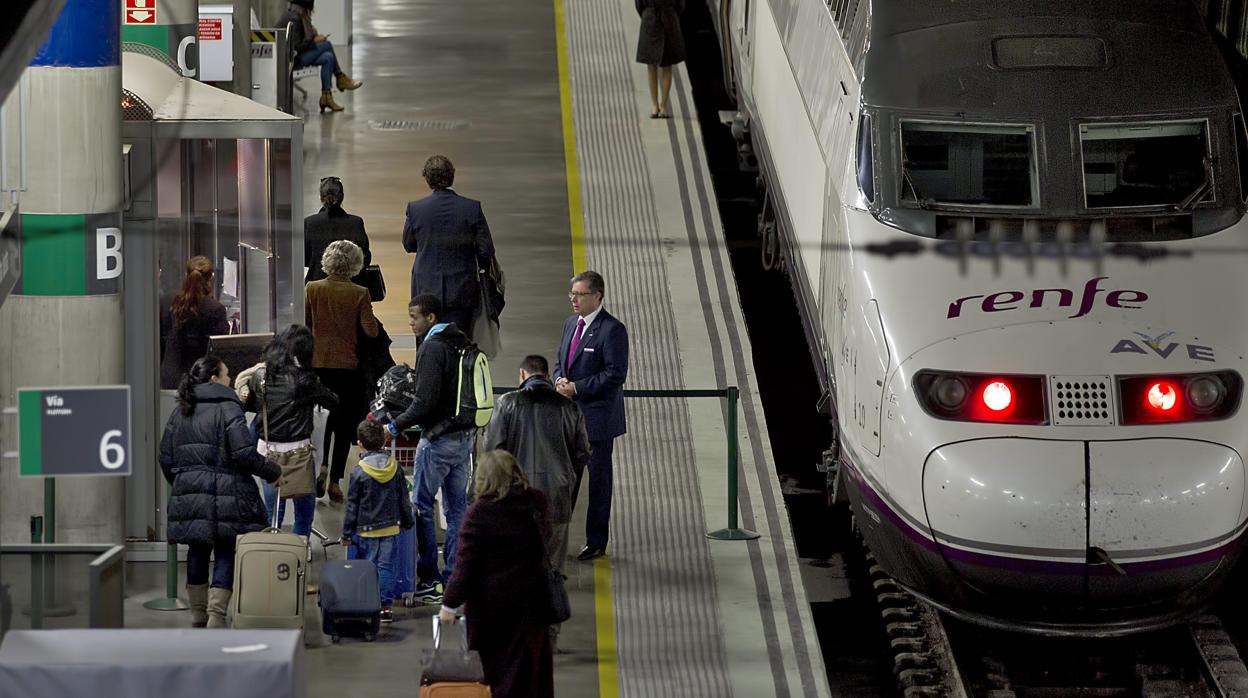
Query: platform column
63, 325
169, 26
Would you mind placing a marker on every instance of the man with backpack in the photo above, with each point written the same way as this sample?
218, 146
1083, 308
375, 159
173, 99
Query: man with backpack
438, 407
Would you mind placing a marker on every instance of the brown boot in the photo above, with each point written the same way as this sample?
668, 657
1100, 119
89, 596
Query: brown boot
335, 493
327, 102
345, 83
198, 596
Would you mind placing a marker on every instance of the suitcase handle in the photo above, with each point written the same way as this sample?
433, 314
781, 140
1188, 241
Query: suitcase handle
437, 632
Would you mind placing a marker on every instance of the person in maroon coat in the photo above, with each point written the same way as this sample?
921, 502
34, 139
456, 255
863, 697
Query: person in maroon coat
499, 579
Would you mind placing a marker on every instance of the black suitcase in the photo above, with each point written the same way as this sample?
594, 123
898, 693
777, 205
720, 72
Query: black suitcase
350, 599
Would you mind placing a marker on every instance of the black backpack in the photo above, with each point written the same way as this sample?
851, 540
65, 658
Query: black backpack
395, 391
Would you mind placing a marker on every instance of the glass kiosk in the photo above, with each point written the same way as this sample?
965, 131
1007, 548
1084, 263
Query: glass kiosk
207, 173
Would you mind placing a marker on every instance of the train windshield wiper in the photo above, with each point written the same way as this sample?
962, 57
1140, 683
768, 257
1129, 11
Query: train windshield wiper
918, 196
1190, 201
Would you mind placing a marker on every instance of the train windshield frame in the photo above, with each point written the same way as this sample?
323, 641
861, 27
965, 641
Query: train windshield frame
1146, 164
968, 165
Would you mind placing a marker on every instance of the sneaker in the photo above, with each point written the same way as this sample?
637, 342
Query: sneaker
387, 615
428, 592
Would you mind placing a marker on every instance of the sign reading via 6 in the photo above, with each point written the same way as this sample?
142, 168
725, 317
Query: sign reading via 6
74, 431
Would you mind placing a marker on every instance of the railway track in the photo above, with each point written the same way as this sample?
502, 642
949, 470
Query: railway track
937, 656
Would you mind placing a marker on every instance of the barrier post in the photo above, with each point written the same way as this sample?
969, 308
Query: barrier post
732, 532
170, 601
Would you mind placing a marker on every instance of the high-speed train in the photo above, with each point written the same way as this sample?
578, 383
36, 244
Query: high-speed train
1038, 413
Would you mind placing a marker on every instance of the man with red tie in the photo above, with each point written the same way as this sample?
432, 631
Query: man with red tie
590, 368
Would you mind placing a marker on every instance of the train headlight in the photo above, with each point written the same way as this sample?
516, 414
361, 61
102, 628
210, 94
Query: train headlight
1191, 397
1162, 396
949, 392
1205, 392
997, 398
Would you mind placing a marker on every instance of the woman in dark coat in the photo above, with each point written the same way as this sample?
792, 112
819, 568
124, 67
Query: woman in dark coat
660, 45
191, 318
331, 224
499, 578
208, 457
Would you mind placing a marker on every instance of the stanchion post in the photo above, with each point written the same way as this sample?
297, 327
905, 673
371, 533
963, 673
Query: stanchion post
732, 532
170, 601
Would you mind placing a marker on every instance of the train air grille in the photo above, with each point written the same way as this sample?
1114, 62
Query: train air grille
1082, 401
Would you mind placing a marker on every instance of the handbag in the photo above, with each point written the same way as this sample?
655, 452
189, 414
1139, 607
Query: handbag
558, 606
372, 280
297, 466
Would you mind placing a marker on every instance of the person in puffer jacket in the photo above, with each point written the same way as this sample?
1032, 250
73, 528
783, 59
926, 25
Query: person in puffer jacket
209, 456
377, 507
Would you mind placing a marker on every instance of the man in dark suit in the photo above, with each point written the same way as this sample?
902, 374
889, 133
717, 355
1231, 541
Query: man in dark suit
452, 243
590, 368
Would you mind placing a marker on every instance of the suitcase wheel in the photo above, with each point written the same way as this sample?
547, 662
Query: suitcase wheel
409, 602
369, 637
335, 638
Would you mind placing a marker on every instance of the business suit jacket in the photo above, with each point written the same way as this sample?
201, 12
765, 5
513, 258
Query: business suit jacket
331, 225
598, 368
450, 237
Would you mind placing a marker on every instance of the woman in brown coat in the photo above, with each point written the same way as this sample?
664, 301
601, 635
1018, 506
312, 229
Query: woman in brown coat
660, 46
499, 579
337, 310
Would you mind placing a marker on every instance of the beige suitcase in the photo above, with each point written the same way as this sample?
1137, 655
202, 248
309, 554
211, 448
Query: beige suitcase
270, 576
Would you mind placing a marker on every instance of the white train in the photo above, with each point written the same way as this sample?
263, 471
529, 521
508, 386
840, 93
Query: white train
1045, 437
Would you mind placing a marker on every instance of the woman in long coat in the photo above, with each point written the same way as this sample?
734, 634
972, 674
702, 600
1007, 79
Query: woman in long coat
500, 580
660, 45
338, 311
208, 456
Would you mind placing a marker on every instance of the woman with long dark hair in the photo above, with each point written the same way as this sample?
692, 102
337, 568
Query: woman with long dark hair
191, 318
208, 456
338, 311
500, 570
283, 394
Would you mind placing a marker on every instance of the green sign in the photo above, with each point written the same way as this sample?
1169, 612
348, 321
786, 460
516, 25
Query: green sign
73, 431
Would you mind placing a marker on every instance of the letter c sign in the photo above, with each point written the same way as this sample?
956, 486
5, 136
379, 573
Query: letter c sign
185, 45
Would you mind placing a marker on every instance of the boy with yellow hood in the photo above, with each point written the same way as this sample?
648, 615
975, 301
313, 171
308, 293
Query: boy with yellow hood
377, 507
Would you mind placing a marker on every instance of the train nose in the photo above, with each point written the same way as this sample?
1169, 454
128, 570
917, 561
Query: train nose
1085, 524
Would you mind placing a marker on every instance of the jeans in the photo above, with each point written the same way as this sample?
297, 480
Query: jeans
323, 55
197, 555
305, 509
442, 463
381, 552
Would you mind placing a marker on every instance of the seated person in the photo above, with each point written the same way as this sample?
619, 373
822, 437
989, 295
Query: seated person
313, 48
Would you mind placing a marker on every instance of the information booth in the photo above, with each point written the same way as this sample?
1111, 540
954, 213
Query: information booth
208, 173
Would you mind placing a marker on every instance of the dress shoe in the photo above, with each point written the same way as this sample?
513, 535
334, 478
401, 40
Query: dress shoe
590, 553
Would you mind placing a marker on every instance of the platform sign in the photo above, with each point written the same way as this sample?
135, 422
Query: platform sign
140, 12
73, 431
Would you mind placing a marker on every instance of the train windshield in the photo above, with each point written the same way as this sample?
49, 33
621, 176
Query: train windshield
1146, 164
968, 164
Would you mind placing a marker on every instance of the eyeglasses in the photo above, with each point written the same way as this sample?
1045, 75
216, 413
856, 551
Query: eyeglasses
580, 294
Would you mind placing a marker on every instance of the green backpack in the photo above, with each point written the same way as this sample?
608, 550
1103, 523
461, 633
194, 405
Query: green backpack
474, 401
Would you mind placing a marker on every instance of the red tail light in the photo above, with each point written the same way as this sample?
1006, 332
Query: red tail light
973, 397
1179, 398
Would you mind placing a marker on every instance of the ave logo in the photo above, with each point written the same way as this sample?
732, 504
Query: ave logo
140, 12
1159, 345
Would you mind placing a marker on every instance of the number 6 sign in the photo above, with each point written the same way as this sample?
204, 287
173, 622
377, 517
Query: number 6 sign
73, 431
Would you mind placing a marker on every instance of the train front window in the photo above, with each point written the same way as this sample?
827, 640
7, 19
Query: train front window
1146, 164
968, 164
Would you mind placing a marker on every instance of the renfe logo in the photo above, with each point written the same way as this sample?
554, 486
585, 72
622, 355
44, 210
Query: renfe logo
1047, 297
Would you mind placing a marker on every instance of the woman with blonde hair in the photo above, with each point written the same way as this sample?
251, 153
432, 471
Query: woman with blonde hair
337, 310
500, 580
188, 322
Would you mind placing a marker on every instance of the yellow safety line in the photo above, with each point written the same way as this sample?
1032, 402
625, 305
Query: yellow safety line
604, 625
604, 606
575, 215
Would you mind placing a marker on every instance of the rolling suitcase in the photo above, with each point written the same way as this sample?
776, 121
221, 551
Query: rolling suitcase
270, 578
452, 673
350, 599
